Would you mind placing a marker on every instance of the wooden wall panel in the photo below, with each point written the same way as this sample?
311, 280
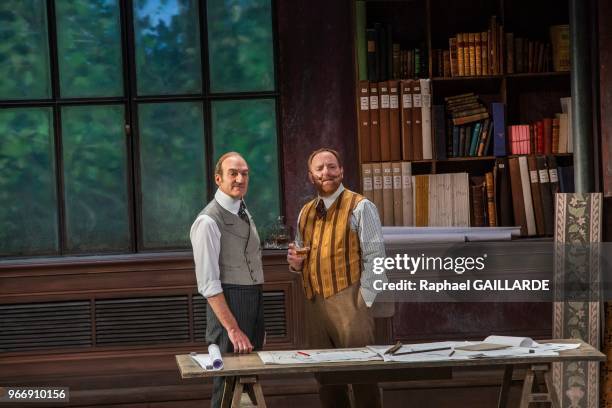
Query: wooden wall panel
316, 79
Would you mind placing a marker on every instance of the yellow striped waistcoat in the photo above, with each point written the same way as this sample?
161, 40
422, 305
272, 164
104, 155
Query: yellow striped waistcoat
334, 260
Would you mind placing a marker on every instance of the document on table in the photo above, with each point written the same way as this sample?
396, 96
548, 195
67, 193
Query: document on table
466, 350
318, 356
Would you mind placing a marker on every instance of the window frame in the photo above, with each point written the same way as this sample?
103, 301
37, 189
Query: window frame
130, 101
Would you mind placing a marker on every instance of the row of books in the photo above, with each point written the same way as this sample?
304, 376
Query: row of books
469, 125
528, 184
520, 191
395, 120
387, 60
546, 136
495, 52
422, 200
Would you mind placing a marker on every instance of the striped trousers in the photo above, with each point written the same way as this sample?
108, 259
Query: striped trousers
246, 304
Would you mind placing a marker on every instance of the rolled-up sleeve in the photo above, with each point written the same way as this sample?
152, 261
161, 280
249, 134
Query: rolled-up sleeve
206, 242
372, 246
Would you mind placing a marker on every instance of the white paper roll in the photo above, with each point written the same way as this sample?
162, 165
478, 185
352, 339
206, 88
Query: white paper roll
215, 357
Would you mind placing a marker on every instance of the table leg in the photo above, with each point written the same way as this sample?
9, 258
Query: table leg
237, 394
505, 388
529, 396
259, 397
527, 388
228, 390
554, 397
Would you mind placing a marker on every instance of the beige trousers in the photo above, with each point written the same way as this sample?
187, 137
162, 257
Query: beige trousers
342, 320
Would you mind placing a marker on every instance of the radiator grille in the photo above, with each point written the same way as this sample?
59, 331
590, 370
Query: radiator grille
45, 325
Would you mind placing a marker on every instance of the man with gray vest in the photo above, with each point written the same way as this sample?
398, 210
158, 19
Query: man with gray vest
228, 265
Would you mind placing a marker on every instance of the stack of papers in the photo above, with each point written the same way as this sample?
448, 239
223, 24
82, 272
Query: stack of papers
491, 347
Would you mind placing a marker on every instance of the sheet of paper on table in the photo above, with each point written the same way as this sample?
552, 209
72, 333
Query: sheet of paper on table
318, 356
452, 353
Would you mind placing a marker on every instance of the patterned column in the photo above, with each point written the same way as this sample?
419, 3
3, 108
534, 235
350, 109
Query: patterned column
577, 235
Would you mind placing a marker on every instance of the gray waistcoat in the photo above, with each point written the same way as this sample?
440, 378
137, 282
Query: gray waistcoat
240, 257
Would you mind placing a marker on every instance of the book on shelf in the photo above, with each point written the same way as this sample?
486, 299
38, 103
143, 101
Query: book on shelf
387, 193
367, 182
384, 123
377, 188
559, 38
536, 195
398, 216
374, 123
406, 118
503, 193
407, 194
417, 121
395, 137
498, 111
546, 195
363, 94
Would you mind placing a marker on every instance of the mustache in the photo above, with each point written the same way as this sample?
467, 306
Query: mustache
321, 179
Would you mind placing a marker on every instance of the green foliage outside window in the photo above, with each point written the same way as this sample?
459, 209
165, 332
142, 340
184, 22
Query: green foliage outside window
167, 47
167, 145
89, 48
240, 45
172, 170
28, 209
24, 50
95, 178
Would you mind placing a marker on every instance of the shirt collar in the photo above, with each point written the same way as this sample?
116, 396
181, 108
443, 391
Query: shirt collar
227, 202
328, 201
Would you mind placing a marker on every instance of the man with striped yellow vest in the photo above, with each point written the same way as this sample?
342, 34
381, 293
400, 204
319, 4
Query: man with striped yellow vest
343, 230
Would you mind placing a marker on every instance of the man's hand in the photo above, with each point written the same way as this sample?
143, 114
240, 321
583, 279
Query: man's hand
295, 261
241, 342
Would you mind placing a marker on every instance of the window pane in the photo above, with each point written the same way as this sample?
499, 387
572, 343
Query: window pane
173, 171
167, 47
95, 179
24, 50
89, 48
28, 213
249, 127
240, 45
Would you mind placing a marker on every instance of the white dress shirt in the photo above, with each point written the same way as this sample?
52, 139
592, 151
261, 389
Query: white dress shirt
206, 242
366, 222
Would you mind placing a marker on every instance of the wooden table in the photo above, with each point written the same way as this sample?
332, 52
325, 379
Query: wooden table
240, 370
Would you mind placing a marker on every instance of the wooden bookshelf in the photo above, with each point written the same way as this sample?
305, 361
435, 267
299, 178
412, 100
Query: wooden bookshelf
528, 97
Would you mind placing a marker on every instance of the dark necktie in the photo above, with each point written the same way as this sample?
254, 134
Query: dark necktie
321, 210
243, 214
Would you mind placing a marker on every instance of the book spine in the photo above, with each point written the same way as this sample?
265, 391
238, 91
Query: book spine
426, 118
491, 200
366, 181
472, 52
398, 217
460, 55
394, 120
387, 194
374, 123
446, 68
484, 42
454, 63
499, 129
417, 124
478, 53
407, 195
364, 120
377, 188
406, 116
525, 183
385, 131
